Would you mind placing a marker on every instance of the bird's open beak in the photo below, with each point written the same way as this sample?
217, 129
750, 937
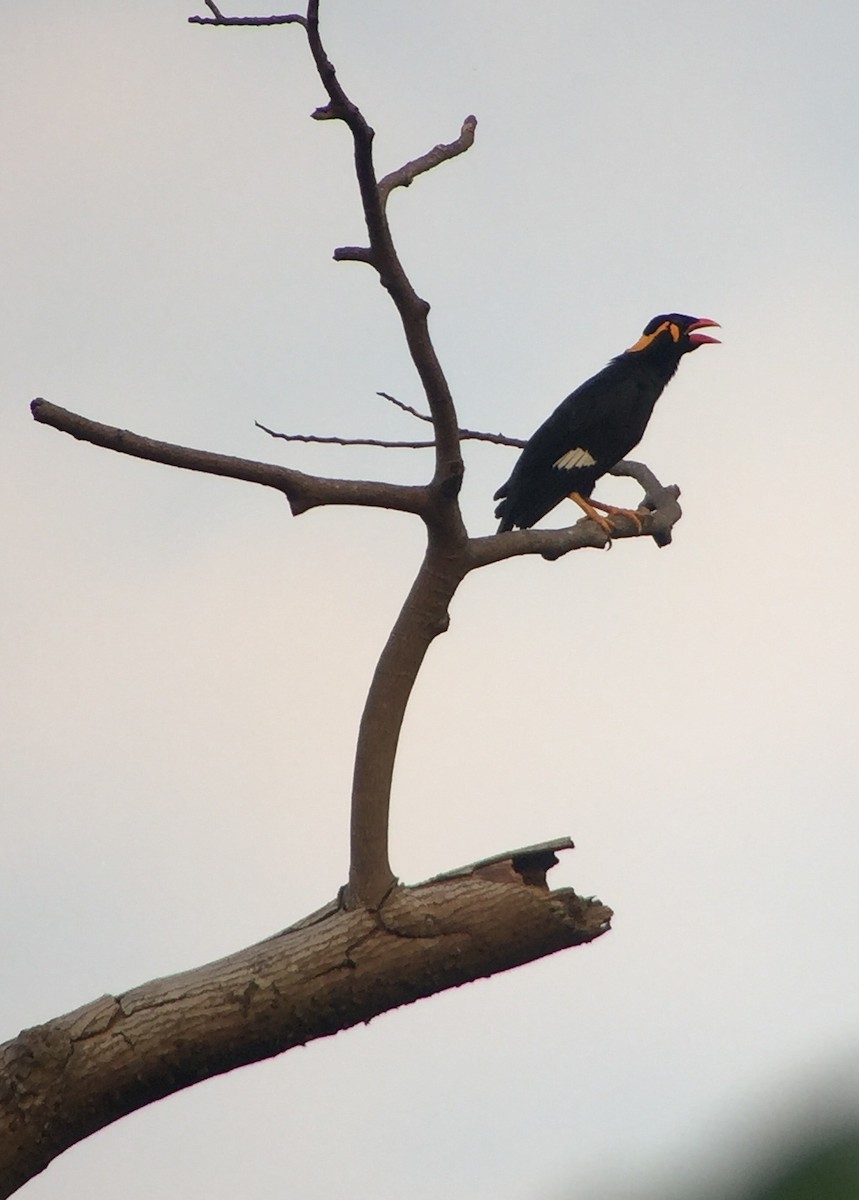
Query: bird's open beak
701, 339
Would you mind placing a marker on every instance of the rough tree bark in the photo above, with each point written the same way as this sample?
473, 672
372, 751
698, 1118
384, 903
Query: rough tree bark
380, 943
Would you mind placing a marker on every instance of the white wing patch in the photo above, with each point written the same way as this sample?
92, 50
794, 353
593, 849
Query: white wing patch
575, 458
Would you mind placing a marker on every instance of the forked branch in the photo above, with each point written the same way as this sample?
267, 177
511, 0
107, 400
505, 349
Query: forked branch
218, 18
382, 254
301, 490
380, 944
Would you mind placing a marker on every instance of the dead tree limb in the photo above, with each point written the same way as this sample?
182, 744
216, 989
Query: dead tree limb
301, 490
380, 944
62, 1081
382, 255
406, 175
465, 435
218, 18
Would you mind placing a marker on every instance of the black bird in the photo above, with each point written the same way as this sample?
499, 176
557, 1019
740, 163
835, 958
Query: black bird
597, 425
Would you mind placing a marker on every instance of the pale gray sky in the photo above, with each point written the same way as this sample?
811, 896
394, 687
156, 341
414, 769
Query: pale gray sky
186, 663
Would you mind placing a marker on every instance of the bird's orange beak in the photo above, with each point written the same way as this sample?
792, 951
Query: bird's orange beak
701, 339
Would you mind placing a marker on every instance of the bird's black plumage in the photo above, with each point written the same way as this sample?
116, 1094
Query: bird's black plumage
598, 424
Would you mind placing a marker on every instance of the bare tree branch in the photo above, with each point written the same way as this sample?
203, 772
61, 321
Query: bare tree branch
301, 490
405, 175
465, 435
380, 944
499, 439
642, 475
354, 254
407, 408
662, 501
423, 617
319, 440
65, 1079
220, 19
664, 512
413, 310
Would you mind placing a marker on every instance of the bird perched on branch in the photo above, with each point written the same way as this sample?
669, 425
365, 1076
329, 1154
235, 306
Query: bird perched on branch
597, 425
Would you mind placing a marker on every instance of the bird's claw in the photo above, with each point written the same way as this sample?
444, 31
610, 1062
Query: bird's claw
635, 515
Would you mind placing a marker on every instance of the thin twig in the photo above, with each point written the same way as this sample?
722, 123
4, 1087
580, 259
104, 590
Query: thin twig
220, 19
319, 440
465, 435
498, 439
412, 308
405, 175
406, 407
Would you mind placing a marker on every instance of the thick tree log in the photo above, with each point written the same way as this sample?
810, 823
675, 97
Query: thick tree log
72, 1076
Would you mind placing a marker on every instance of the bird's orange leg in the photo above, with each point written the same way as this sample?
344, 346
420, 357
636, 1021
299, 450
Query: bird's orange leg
589, 511
589, 507
620, 512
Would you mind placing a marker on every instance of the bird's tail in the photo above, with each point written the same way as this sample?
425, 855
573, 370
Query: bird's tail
501, 509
